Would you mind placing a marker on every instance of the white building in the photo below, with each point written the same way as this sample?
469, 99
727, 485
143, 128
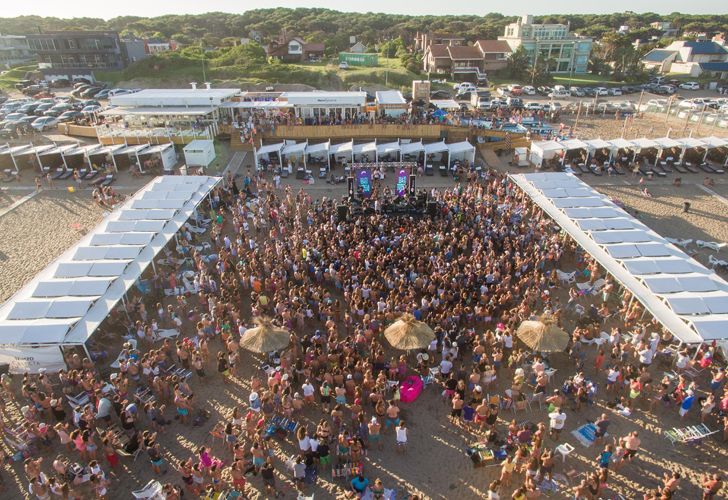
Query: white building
14, 50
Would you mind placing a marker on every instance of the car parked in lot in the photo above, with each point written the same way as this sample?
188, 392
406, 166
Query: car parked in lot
576, 92
89, 110
514, 102
13, 117
559, 94
28, 108
343, 65
690, 86
533, 106
44, 123
615, 91
58, 109
589, 91
602, 91
69, 116
528, 90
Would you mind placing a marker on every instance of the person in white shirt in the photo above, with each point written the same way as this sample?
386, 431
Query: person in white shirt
401, 437
445, 366
557, 418
646, 356
308, 391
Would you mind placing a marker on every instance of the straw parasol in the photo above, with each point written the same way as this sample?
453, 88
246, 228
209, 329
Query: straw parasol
407, 333
543, 335
264, 338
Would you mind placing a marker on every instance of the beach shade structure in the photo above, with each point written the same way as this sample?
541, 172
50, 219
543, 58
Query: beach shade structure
543, 335
407, 333
265, 338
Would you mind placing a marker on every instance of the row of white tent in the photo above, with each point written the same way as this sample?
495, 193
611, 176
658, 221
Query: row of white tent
42, 153
545, 150
65, 303
688, 299
349, 151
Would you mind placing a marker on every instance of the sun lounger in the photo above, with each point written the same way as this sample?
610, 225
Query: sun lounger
689, 434
152, 491
713, 245
582, 168
689, 166
679, 168
108, 180
79, 400
90, 174
681, 243
713, 168
618, 170
167, 333
717, 262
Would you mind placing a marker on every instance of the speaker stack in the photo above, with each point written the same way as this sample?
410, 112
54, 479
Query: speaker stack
412, 185
342, 212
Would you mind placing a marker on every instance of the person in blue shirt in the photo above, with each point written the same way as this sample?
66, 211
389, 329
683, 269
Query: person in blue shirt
359, 483
605, 457
687, 403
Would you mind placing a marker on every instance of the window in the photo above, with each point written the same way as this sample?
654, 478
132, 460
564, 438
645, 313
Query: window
71, 44
566, 51
563, 66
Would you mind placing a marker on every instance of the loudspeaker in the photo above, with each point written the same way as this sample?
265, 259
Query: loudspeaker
342, 212
432, 208
412, 184
350, 186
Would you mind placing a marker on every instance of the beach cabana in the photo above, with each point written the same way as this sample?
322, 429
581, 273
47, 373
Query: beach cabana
387, 150
294, 152
342, 152
641, 145
365, 153
411, 150
595, 146
714, 143
461, 150
318, 154
575, 145
664, 143
164, 155
435, 150
105, 155
616, 147
545, 150
129, 155
30, 156
266, 151
49, 158
688, 143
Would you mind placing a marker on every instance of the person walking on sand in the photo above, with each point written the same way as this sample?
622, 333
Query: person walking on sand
557, 420
401, 438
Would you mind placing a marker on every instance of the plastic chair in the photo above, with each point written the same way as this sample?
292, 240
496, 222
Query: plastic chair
564, 449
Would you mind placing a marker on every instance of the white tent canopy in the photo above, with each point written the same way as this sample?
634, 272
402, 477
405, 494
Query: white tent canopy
388, 148
621, 144
368, 147
314, 149
267, 150
411, 147
544, 150
344, 147
435, 147
594, 144
65, 303
574, 144
666, 143
688, 299
689, 143
294, 148
644, 143
713, 142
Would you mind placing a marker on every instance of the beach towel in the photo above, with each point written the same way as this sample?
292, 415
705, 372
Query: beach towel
585, 434
410, 389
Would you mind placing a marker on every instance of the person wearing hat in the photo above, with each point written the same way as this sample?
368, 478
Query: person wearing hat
375, 433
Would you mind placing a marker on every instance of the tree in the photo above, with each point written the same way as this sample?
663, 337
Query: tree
518, 64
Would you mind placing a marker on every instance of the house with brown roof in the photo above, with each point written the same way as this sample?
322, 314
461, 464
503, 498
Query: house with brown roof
485, 55
424, 40
294, 49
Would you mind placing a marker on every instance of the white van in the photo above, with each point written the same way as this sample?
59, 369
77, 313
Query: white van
560, 94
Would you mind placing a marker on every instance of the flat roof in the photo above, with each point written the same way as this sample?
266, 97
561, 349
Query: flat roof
85, 283
158, 111
174, 97
390, 97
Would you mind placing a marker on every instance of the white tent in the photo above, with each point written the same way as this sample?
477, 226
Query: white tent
266, 151
296, 149
713, 143
664, 143
644, 143
594, 144
66, 302
435, 147
544, 150
411, 148
345, 149
388, 148
320, 149
621, 143
461, 149
369, 149
574, 144
445, 104
689, 300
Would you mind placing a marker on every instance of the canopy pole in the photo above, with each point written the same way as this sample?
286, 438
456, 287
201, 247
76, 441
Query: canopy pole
88, 354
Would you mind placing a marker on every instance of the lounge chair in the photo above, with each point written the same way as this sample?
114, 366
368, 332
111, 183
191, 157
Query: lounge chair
713, 245
717, 262
152, 491
108, 180
690, 168
679, 168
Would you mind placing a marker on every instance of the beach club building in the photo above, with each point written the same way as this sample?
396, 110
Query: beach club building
306, 105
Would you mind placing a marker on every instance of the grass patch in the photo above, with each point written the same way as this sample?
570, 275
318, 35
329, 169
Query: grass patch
323, 75
14, 75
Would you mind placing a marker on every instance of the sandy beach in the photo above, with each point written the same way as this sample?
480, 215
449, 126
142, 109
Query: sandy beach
38, 231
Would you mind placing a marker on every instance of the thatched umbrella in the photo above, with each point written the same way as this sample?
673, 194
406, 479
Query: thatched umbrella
407, 333
543, 335
265, 338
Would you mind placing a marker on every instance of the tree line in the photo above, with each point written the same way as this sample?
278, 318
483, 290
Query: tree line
217, 29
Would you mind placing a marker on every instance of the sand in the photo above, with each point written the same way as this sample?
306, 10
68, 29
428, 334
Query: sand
38, 231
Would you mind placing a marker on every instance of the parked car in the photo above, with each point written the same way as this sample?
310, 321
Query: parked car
576, 92
90, 92
589, 91
544, 90
515, 89
502, 91
76, 92
484, 103
60, 83
79, 80
440, 94
528, 90
89, 110
690, 86
514, 102
56, 110
615, 91
44, 123
104, 94
559, 94
28, 108
69, 116
689, 104
464, 95
115, 92
602, 91
343, 65
533, 106
13, 117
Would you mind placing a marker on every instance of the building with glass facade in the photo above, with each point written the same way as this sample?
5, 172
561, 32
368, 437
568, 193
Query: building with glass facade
564, 51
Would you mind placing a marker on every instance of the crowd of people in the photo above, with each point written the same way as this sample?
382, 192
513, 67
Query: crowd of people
485, 262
